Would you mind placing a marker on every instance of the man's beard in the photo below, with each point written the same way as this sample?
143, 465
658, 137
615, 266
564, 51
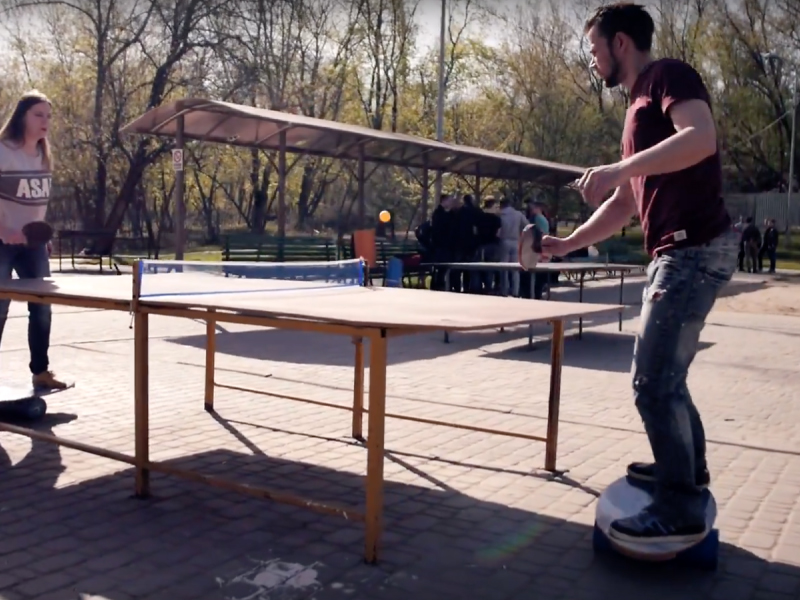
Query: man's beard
612, 80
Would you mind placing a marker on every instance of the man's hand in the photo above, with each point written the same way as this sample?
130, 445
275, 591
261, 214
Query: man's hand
598, 181
553, 246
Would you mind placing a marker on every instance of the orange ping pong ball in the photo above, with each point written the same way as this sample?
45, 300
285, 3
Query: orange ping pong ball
385, 216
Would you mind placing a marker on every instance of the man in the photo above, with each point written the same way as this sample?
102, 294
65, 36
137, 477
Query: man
670, 173
512, 222
751, 241
443, 240
469, 216
538, 218
489, 236
738, 227
769, 246
536, 215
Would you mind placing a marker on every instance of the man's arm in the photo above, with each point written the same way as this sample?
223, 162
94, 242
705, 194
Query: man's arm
614, 214
695, 140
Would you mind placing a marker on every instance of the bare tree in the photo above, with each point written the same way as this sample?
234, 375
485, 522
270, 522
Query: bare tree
387, 36
113, 27
290, 56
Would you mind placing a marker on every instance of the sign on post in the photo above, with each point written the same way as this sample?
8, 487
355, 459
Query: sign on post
177, 160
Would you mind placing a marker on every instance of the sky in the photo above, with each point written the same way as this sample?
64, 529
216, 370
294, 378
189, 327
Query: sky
428, 18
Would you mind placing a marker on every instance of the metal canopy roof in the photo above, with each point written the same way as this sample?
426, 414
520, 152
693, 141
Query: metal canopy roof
240, 125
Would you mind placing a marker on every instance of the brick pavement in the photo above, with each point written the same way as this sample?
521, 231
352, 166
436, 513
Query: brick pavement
468, 515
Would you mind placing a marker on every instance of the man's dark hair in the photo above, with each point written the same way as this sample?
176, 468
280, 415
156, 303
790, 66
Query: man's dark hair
489, 203
624, 17
443, 197
749, 220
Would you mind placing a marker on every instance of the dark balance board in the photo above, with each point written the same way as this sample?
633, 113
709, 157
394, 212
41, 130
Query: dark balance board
21, 404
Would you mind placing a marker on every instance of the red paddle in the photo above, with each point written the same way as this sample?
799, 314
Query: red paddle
37, 233
530, 247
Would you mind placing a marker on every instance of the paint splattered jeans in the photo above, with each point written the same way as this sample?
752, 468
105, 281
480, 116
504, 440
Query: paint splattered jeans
681, 290
29, 263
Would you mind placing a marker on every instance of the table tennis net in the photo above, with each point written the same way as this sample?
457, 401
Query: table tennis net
179, 277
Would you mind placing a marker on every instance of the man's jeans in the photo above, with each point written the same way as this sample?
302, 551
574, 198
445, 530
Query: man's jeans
28, 263
509, 253
490, 253
681, 290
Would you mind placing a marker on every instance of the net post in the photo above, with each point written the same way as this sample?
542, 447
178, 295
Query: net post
141, 389
136, 291
138, 267
364, 272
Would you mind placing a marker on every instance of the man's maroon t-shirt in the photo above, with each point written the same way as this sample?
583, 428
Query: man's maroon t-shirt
679, 209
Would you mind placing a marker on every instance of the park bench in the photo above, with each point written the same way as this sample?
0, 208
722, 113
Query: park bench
78, 244
262, 248
246, 247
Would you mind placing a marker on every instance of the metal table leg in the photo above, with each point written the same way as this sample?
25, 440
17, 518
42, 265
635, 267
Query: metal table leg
554, 403
447, 289
621, 301
375, 447
580, 300
358, 390
141, 384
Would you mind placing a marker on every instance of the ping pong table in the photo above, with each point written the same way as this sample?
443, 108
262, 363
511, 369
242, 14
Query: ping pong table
321, 297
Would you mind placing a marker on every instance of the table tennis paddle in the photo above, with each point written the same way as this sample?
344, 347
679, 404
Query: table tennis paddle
530, 247
37, 233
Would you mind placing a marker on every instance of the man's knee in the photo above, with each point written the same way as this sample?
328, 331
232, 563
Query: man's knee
40, 312
655, 396
643, 394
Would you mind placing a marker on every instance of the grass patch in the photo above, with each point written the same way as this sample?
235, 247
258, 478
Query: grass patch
788, 258
205, 254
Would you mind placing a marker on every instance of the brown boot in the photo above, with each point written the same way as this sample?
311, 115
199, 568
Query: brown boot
48, 381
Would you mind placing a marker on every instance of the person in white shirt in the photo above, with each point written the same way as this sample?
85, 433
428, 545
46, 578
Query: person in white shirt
25, 184
512, 222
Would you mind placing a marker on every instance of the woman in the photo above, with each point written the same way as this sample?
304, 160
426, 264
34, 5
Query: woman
25, 182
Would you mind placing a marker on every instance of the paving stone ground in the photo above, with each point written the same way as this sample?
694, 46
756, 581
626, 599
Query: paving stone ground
469, 515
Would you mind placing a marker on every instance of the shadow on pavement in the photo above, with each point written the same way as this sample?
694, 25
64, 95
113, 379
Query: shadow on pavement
300, 347
91, 540
597, 350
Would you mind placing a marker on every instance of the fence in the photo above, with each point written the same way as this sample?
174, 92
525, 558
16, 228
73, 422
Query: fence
768, 205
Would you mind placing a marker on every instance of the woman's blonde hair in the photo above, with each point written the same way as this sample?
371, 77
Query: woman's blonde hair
14, 128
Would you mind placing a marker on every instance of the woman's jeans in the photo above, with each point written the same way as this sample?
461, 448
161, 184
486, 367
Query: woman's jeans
682, 288
28, 263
